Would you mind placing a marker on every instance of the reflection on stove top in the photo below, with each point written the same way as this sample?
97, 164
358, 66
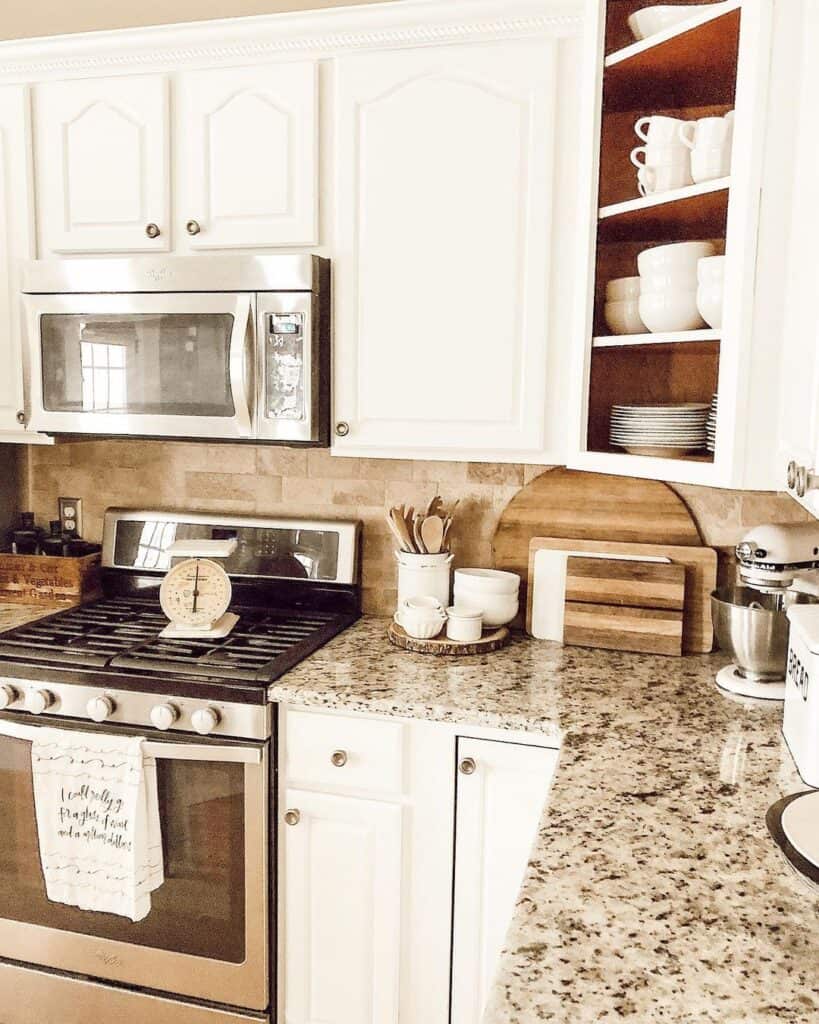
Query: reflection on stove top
123, 633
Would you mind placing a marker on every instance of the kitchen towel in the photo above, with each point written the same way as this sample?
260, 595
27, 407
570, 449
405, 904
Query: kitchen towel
97, 815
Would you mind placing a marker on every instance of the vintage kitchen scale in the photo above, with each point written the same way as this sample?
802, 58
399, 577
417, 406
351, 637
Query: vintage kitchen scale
196, 593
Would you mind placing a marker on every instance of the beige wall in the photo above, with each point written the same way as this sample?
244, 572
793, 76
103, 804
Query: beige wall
283, 481
20, 18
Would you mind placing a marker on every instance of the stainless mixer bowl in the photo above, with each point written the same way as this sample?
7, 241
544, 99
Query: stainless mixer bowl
753, 629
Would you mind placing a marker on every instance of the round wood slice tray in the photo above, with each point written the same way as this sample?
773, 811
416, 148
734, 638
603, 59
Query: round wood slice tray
490, 641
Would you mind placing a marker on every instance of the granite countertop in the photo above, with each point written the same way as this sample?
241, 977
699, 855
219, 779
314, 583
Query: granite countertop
654, 893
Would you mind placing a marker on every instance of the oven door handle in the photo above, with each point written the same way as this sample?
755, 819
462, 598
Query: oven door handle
241, 384
220, 753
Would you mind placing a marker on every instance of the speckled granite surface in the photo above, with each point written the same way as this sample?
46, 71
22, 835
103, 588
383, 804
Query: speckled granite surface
654, 893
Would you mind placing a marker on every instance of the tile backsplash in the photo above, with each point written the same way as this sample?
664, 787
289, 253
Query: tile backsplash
288, 481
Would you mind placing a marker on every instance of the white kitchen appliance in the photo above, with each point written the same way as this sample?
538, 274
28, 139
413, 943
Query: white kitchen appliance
778, 566
227, 347
800, 725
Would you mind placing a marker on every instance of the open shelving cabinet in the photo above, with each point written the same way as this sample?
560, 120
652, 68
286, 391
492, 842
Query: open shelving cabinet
715, 61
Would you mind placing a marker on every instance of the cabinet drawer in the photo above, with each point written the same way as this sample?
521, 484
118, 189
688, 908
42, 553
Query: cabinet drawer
344, 752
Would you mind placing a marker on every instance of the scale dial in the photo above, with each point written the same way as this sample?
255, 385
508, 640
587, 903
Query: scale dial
196, 593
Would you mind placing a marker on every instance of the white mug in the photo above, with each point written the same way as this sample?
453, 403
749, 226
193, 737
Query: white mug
706, 133
662, 178
708, 164
659, 129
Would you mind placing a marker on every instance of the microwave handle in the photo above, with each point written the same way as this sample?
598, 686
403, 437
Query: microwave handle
213, 752
240, 383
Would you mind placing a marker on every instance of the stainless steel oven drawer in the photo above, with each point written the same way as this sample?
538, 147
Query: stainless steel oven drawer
30, 996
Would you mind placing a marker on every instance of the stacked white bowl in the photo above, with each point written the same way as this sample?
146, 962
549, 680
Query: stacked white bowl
491, 591
622, 309
646, 22
710, 287
668, 286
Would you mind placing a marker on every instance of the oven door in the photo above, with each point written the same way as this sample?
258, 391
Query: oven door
156, 365
206, 936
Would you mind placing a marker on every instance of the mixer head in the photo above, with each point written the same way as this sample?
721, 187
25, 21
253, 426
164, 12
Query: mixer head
772, 556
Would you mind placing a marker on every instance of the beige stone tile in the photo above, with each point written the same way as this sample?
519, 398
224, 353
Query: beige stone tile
322, 465
447, 473
276, 461
222, 490
509, 474
307, 491
354, 493
531, 473
759, 507
400, 492
386, 469
379, 600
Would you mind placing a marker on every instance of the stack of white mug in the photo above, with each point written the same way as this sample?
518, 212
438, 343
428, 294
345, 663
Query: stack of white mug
679, 153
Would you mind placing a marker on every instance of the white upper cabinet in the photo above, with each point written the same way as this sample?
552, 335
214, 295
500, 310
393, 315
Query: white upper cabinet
101, 164
15, 244
445, 159
246, 156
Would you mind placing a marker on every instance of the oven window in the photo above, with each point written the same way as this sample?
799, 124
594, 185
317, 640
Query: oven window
198, 910
141, 364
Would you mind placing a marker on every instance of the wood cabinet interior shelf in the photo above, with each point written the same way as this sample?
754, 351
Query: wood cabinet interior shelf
694, 211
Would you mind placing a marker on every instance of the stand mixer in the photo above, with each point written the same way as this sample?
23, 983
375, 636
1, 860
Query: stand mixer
778, 567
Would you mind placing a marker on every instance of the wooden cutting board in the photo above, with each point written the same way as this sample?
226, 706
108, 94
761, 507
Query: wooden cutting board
624, 605
589, 506
699, 563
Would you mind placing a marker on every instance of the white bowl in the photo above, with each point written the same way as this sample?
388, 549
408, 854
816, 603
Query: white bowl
674, 281
624, 317
621, 288
676, 256
488, 581
497, 609
421, 617
709, 303
649, 20
670, 311
711, 269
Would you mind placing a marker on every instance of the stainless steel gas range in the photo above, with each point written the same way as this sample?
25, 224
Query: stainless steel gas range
205, 952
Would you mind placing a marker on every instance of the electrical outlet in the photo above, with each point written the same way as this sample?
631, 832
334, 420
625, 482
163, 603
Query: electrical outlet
71, 515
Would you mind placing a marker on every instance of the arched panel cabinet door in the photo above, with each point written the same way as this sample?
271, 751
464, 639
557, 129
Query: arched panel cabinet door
101, 160
247, 171
444, 249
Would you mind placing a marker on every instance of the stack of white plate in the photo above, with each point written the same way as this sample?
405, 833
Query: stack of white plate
711, 426
666, 431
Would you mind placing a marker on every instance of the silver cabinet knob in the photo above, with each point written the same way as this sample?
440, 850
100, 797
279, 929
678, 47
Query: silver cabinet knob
21, 417
342, 429
339, 758
100, 708
38, 701
801, 481
292, 817
792, 471
193, 227
8, 695
205, 720
468, 766
152, 231
163, 716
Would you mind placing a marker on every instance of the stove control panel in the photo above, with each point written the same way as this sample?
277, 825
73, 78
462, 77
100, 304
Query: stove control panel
146, 711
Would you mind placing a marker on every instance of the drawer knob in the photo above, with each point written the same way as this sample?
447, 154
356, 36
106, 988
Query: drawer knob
193, 227
152, 231
793, 469
292, 817
339, 758
21, 417
468, 766
342, 429
801, 481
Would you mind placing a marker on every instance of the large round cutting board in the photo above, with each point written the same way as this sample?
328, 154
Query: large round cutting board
570, 504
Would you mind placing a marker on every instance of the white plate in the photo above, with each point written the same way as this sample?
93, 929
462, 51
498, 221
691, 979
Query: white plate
800, 823
688, 407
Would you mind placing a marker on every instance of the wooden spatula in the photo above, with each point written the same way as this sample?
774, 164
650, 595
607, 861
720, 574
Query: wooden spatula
432, 534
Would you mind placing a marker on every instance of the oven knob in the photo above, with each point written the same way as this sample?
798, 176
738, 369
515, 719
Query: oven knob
38, 701
100, 708
8, 695
163, 716
205, 720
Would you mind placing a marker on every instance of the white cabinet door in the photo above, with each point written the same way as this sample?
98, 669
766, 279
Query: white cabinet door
247, 150
501, 792
342, 910
16, 244
445, 164
101, 164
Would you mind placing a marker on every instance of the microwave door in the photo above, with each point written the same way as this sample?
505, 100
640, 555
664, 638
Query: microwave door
154, 365
292, 369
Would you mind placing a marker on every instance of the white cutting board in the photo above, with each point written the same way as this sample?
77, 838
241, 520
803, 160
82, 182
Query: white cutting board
548, 583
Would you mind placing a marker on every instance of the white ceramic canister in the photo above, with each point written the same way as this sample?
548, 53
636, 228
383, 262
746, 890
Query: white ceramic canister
424, 576
464, 624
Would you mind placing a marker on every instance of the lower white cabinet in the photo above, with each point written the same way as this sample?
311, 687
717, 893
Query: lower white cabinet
368, 931
342, 909
501, 793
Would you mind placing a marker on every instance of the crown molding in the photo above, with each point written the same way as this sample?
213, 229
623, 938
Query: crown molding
320, 34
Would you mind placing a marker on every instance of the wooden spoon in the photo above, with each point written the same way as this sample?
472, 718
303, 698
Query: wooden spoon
445, 539
394, 529
432, 534
401, 527
417, 523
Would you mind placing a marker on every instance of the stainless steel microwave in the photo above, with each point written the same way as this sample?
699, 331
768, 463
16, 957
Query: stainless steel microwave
221, 347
